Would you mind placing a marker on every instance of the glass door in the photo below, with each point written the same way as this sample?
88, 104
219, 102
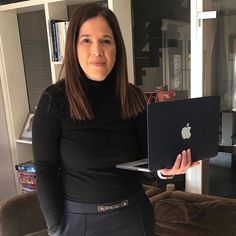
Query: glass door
220, 52
161, 39
219, 78
161, 46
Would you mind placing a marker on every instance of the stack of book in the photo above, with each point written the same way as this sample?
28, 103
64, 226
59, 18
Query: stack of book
57, 33
27, 176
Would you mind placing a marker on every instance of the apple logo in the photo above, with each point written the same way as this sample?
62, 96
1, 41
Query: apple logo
185, 132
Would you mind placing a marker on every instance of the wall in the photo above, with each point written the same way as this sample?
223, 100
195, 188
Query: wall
7, 181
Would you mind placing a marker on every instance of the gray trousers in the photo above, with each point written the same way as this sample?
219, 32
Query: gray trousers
131, 216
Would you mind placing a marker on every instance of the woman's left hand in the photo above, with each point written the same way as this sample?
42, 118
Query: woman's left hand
182, 163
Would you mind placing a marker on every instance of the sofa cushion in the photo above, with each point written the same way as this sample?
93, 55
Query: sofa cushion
38, 233
176, 216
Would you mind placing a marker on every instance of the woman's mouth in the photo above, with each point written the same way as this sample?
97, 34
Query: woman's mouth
97, 63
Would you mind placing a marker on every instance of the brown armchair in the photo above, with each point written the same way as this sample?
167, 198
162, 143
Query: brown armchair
21, 215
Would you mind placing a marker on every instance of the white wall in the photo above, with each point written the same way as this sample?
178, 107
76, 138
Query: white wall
122, 10
7, 180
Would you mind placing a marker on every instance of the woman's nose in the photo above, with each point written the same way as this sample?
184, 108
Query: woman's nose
98, 54
97, 50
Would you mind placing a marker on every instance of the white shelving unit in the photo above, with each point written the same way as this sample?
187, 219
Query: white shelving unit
12, 73
23, 141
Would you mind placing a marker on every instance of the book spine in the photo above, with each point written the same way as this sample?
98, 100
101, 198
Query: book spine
51, 40
61, 30
58, 41
54, 40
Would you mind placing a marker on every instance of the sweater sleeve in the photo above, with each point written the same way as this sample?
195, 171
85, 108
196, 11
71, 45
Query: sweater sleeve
141, 127
141, 135
46, 151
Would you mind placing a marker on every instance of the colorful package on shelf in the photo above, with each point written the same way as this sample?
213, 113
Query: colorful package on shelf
160, 95
26, 167
164, 96
27, 179
27, 176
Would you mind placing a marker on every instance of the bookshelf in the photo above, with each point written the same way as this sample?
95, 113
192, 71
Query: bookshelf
13, 66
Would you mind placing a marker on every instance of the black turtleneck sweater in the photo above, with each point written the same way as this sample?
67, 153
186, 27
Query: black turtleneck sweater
76, 160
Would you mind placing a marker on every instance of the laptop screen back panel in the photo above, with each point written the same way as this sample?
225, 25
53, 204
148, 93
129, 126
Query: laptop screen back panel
165, 122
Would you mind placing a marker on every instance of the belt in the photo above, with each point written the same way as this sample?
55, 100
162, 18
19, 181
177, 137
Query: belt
81, 207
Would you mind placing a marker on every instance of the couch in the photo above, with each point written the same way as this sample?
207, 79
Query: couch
179, 213
176, 212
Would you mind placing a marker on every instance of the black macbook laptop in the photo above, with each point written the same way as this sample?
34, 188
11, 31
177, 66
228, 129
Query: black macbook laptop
175, 126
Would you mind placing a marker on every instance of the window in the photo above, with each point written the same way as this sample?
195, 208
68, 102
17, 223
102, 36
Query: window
161, 39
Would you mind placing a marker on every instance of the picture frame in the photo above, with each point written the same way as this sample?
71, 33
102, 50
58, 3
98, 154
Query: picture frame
26, 133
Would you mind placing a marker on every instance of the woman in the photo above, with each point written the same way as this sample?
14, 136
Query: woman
85, 125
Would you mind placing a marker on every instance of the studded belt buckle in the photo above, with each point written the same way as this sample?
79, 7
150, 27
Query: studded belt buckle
103, 208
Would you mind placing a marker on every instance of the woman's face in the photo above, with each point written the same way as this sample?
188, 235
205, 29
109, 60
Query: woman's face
96, 48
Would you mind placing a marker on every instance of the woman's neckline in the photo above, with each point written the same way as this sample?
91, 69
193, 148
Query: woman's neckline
108, 81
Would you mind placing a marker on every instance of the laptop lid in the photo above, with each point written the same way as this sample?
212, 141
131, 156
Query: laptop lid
175, 126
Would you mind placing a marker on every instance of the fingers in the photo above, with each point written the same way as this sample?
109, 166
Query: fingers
185, 163
189, 162
189, 156
182, 163
185, 160
177, 162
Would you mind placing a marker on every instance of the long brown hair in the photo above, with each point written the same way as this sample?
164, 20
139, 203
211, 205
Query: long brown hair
131, 100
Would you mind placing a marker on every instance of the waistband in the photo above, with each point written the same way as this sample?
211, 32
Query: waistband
81, 207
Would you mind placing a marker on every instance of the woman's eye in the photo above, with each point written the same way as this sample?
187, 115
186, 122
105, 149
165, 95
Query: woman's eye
85, 41
106, 41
